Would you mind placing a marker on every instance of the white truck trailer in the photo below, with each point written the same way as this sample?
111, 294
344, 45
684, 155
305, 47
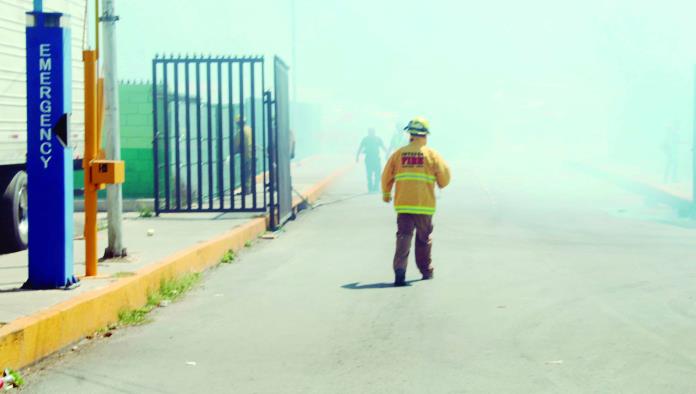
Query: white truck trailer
13, 111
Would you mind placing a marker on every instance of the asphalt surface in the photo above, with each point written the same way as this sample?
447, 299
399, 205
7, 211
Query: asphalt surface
546, 281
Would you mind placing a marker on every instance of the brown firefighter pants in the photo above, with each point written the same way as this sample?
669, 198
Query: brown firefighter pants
423, 225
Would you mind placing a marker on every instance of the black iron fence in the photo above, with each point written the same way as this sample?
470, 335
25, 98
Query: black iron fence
209, 134
221, 140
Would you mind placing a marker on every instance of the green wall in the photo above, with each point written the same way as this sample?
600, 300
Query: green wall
136, 141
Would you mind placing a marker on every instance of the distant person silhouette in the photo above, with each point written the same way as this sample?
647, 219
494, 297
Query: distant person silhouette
370, 146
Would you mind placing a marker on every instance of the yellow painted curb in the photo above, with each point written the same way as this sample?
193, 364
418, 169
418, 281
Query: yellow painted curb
312, 194
31, 338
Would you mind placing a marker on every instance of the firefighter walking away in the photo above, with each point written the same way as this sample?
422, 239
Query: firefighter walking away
371, 146
413, 171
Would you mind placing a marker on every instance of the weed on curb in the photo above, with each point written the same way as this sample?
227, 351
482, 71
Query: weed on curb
170, 290
135, 317
228, 257
11, 378
145, 212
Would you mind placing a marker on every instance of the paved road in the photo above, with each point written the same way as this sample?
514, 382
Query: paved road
546, 282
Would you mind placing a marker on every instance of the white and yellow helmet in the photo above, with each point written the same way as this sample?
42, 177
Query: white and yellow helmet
418, 126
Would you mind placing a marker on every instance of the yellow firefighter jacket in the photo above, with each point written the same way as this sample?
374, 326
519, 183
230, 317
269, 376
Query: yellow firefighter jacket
415, 169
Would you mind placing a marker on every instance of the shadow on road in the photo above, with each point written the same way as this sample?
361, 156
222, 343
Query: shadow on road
381, 285
21, 289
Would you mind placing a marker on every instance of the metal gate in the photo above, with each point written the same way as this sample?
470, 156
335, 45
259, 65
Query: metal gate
221, 140
209, 145
279, 113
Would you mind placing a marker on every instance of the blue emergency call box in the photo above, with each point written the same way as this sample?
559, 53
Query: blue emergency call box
49, 156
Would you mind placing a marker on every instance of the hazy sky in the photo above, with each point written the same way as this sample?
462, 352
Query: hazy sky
611, 72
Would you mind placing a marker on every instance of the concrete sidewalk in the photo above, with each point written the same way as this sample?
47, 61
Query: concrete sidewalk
678, 196
680, 189
175, 235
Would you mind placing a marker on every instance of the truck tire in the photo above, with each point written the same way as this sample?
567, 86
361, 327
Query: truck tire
14, 225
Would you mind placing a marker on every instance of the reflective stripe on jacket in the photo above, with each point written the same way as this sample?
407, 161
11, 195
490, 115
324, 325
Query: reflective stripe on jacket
415, 169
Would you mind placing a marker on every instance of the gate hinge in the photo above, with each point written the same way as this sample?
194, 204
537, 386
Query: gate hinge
109, 18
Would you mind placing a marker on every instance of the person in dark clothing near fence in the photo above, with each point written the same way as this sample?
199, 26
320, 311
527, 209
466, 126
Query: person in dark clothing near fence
370, 146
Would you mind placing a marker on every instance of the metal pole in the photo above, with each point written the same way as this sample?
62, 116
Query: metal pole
155, 136
91, 150
293, 36
693, 144
38, 5
114, 193
272, 168
91, 59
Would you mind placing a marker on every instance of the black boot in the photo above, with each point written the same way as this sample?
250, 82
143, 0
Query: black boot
399, 277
